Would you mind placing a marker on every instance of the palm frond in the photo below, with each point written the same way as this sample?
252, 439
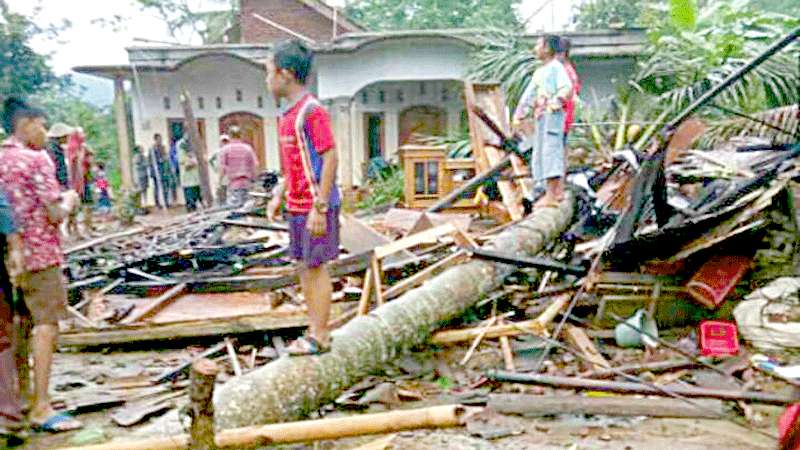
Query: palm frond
786, 118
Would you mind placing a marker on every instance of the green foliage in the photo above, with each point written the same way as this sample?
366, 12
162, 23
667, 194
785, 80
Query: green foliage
680, 64
62, 105
683, 14
507, 59
388, 188
434, 14
185, 25
22, 71
605, 14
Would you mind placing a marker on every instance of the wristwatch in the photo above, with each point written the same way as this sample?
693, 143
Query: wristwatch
321, 206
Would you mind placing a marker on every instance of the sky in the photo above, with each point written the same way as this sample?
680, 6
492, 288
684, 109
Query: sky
93, 40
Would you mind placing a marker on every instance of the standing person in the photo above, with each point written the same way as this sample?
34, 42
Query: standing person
27, 176
102, 187
543, 104
159, 171
190, 174
569, 106
222, 184
57, 137
174, 173
141, 170
238, 165
11, 418
308, 162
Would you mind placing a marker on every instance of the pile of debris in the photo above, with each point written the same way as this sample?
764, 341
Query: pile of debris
627, 288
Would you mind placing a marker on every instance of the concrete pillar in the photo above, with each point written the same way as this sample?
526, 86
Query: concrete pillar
453, 121
356, 144
342, 120
392, 134
123, 141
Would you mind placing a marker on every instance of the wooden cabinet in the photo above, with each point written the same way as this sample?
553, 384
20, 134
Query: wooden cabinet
430, 175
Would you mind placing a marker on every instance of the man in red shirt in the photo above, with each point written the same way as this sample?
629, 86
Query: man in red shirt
238, 164
27, 176
308, 162
569, 107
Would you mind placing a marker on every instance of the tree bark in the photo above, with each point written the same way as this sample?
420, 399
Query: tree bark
291, 388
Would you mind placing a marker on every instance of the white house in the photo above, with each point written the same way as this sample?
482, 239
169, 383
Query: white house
380, 87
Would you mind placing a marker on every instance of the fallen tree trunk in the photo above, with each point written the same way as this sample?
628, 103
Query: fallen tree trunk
293, 387
538, 406
627, 387
309, 430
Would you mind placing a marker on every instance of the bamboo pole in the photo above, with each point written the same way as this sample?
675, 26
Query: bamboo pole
309, 430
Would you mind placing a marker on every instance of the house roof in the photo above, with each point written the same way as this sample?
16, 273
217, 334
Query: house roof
328, 11
591, 44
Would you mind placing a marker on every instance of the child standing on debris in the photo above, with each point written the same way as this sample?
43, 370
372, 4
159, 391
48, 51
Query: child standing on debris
543, 103
308, 163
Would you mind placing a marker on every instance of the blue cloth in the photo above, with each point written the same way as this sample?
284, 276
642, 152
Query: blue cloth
7, 224
316, 166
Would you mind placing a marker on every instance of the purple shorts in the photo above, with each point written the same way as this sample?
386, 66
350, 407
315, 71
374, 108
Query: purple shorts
313, 251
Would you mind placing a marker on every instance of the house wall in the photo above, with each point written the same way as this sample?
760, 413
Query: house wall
291, 14
207, 77
344, 74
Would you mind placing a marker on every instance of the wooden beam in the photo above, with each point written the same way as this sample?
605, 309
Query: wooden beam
418, 278
626, 387
424, 237
177, 330
540, 406
198, 148
157, 304
578, 338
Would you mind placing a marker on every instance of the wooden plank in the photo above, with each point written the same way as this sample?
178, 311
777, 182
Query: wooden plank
489, 99
424, 237
420, 277
157, 304
377, 275
178, 330
363, 303
358, 238
578, 338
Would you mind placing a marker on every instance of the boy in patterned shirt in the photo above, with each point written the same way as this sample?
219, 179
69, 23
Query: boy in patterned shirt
308, 162
28, 178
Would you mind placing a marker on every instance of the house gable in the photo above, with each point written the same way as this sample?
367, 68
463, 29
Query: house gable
310, 18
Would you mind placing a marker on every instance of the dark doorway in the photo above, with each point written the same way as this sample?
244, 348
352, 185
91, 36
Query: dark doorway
374, 127
176, 130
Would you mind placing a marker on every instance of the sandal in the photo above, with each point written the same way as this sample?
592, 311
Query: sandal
57, 423
307, 346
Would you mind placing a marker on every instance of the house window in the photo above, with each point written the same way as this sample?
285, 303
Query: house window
382, 96
426, 178
364, 97
260, 101
239, 95
219, 103
445, 95
400, 96
201, 102
167, 104
422, 88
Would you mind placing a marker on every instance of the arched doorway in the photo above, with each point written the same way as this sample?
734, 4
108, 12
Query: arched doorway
422, 120
252, 127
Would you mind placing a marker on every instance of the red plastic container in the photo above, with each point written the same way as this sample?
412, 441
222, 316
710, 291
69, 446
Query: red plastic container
717, 278
718, 338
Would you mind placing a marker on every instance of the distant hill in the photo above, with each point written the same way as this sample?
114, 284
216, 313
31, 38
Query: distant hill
95, 90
